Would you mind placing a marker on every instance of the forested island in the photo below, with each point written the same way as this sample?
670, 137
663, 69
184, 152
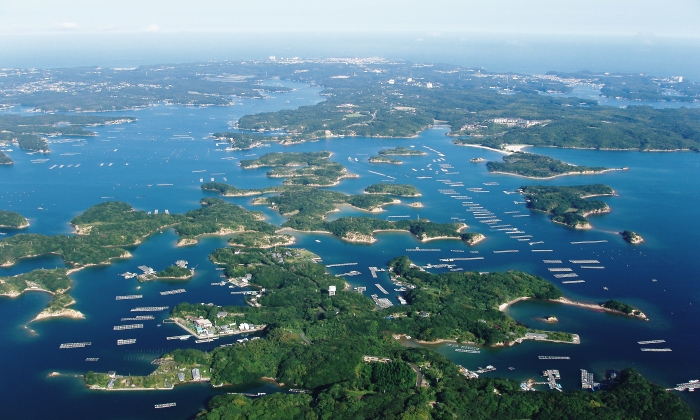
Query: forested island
384, 159
624, 308
568, 205
56, 282
10, 219
342, 352
632, 237
314, 168
30, 133
401, 151
4, 159
401, 190
243, 141
531, 165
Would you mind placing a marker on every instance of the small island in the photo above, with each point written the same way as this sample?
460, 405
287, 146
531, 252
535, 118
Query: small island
530, 165
4, 159
402, 190
568, 205
10, 219
401, 151
477, 160
311, 169
472, 238
242, 141
623, 308
384, 159
632, 237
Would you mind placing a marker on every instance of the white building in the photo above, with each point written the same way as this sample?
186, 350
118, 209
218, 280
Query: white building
331, 290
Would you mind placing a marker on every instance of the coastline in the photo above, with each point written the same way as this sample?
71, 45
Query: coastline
502, 307
559, 175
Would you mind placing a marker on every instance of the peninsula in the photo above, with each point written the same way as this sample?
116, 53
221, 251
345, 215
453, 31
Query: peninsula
314, 169
10, 219
530, 165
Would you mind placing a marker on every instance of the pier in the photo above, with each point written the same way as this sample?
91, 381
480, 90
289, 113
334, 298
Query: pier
340, 265
128, 297
382, 302
552, 376
587, 381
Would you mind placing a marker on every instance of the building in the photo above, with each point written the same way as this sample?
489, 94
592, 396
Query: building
195, 375
331, 290
221, 314
181, 377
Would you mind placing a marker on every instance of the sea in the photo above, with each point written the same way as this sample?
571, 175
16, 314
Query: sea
170, 145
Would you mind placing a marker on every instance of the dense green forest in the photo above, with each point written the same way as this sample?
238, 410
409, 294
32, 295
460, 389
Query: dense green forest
12, 219
384, 159
174, 272
567, 205
620, 307
318, 342
632, 237
287, 159
55, 281
537, 166
30, 132
401, 151
402, 190
243, 141
315, 169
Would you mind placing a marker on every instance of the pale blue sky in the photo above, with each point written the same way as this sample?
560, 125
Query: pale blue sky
668, 18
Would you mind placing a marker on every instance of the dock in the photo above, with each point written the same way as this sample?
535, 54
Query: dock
552, 376
128, 297
690, 386
587, 381
382, 302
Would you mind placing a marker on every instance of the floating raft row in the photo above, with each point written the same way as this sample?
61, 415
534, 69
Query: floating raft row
560, 276
542, 250
589, 242
551, 261
554, 357
127, 341
651, 342
179, 337
172, 292
74, 345
461, 259
598, 267
128, 297
92, 359
573, 281
560, 269
383, 290
128, 327
468, 351
647, 349
584, 261
150, 309
505, 251
343, 264
140, 318
166, 405
416, 249
522, 215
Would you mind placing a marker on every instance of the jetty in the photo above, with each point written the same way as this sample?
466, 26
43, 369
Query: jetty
128, 297
381, 289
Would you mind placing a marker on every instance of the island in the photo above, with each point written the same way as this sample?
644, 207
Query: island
314, 168
242, 141
10, 219
530, 165
568, 205
173, 272
384, 159
55, 282
632, 237
401, 190
472, 238
4, 159
623, 308
339, 346
401, 151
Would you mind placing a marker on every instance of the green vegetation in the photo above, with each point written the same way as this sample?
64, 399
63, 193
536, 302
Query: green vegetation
216, 217
287, 159
55, 281
4, 159
10, 219
401, 151
567, 205
402, 190
620, 307
383, 159
632, 237
315, 171
260, 240
537, 166
29, 132
317, 342
175, 272
243, 141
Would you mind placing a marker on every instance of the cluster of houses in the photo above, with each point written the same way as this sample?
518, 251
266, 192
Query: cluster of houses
205, 328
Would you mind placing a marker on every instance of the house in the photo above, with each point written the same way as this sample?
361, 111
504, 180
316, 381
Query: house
203, 323
244, 326
181, 377
195, 375
331, 290
221, 314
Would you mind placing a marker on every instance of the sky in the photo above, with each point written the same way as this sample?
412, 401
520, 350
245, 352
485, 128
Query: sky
647, 18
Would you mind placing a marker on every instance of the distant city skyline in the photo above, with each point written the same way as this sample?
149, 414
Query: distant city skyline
626, 18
